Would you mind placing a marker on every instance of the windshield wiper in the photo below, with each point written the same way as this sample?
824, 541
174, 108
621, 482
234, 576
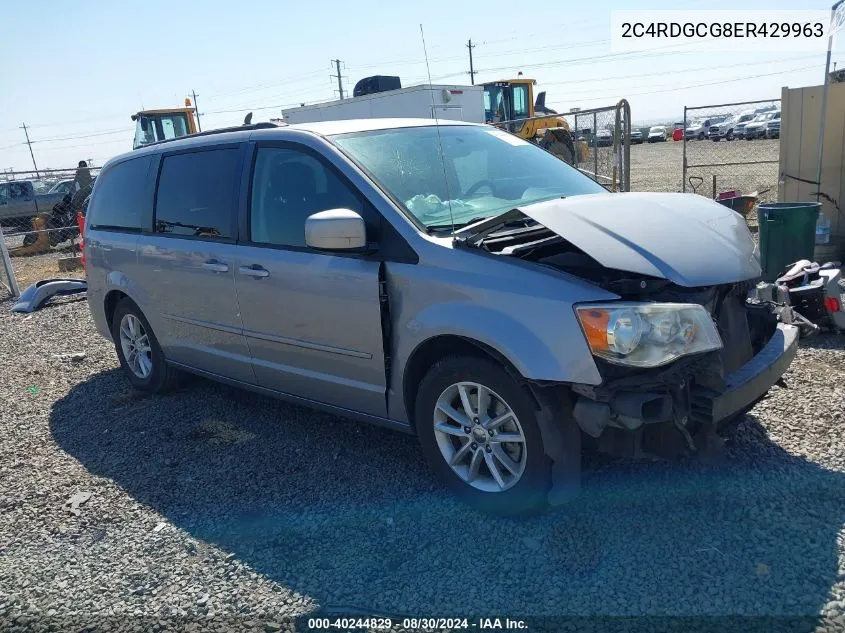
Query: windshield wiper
458, 225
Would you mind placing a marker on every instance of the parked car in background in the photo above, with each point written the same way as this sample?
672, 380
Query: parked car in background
700, 129
64, 186
20, 202
495, 302
657, 133
756, 128
41, 186
773, 127
731, 128
636, 136
604, 138
697, 130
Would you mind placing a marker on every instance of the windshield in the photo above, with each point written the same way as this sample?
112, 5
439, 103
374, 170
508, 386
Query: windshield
657, 129
150, 128
484, 171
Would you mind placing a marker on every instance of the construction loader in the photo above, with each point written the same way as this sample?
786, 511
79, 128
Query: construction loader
152, 126
510, 104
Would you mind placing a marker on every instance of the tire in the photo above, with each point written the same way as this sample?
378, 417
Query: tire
525, 493
730, 135
161, 377
701, 136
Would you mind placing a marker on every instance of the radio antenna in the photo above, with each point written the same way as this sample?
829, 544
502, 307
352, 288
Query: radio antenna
437, 127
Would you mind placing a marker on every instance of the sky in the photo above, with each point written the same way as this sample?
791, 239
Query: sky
84, 66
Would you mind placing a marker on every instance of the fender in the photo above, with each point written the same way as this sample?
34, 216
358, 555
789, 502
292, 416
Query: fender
116, 280
534, 357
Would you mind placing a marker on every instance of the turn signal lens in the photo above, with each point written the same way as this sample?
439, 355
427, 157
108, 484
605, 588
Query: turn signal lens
594, 321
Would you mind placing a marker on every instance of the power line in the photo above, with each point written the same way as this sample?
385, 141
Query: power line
593, 59
272, 84
576, 82
73, 138
675, 88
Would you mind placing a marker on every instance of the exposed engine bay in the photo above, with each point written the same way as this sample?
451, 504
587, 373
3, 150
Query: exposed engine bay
675, 408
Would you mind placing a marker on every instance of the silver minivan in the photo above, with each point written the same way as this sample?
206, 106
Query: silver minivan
451, 281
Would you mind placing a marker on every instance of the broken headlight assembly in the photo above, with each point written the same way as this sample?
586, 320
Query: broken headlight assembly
647, 334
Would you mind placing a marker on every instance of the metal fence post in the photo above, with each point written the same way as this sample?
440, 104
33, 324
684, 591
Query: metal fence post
577, 144
623, 125
684, 159
595, 145
7, 262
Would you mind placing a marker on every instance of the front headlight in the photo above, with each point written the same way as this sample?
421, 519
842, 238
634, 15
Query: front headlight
647, 334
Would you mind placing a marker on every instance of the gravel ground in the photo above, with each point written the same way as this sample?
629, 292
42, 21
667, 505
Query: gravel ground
31, 268
657, 166
215, 509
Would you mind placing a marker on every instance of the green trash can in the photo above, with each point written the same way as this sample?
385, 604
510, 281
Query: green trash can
787, 234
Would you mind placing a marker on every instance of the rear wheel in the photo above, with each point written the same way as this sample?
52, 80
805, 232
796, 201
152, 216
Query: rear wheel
138, 350
479, 432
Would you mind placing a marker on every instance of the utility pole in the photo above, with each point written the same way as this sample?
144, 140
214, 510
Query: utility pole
196, 110
471, 46
29, 143
339, 77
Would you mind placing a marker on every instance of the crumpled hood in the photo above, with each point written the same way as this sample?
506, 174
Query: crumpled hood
683, 237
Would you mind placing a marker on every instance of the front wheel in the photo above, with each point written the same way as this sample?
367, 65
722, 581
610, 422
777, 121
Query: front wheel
479, 432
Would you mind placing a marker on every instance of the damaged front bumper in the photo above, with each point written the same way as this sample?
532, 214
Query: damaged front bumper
750, 382
663, 413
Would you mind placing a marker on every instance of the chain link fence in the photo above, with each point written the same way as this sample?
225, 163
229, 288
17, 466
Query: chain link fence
597, 142
604, 136
40, 231
732, 147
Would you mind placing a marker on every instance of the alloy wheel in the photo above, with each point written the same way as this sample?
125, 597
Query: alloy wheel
136, 346
480, 437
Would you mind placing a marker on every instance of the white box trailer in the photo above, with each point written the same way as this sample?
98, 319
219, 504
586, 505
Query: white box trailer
456, 103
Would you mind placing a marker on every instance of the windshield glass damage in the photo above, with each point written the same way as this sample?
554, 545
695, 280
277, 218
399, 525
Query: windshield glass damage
484, 171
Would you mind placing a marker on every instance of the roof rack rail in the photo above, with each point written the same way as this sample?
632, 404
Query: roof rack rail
263, 125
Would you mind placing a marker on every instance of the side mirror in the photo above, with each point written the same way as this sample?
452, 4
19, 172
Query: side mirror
335, 230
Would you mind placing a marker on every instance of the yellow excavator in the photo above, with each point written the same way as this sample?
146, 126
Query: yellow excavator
510, 104
152, 126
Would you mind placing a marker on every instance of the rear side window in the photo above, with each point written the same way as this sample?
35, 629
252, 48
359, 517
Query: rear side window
120, 196
196, 194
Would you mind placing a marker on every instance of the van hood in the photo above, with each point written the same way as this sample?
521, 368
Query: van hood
685, 238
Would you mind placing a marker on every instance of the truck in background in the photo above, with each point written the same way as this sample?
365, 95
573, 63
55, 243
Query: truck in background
508, 104
449, 102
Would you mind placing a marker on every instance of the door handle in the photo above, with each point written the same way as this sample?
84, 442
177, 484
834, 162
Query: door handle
215, 266
254, 271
